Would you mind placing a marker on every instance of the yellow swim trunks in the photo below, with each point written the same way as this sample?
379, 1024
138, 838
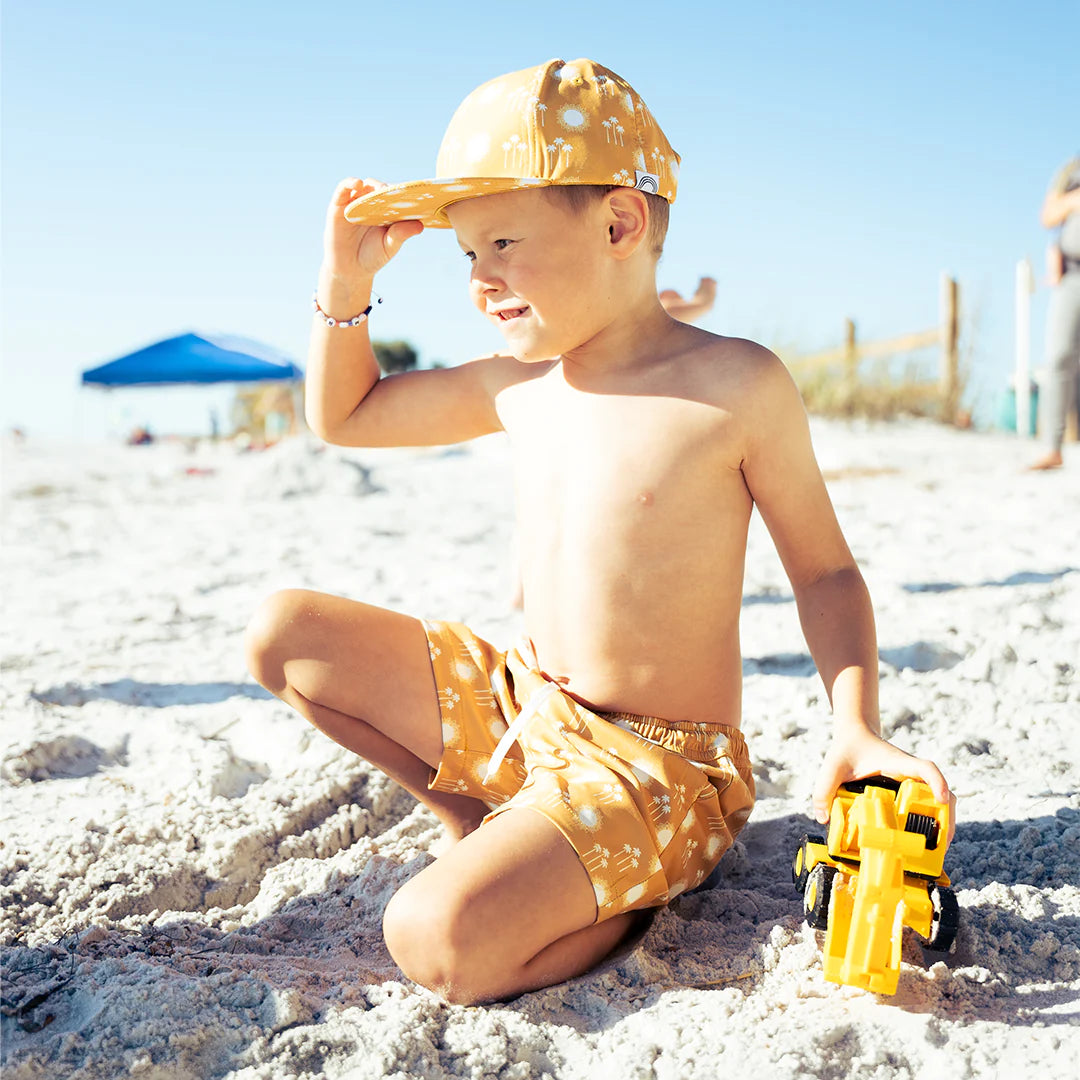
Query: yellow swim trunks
649, 805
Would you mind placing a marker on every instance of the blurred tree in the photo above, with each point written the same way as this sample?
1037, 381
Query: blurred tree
394, 355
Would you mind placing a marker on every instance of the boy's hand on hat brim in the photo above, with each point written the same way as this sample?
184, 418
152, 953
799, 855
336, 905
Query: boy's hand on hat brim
358, 252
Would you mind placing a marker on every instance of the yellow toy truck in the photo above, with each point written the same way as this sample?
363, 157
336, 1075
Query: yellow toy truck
879, 870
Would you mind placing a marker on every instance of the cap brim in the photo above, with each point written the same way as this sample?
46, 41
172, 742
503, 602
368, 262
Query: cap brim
426, 200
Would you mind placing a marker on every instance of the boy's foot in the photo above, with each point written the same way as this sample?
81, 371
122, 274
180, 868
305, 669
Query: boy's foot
1052, 460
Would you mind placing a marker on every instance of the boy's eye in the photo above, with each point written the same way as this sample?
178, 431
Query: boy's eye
499, 245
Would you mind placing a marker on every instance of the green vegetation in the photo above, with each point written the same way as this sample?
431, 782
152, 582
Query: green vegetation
394, 356
880, 390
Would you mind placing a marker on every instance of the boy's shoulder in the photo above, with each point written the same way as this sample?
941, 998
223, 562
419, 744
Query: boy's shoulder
736, 351
731, 366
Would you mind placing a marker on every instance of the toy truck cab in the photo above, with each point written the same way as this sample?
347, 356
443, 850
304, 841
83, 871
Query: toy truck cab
880, 868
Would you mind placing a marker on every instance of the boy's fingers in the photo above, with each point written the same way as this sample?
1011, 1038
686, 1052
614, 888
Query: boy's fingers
931, 775
352, 187
938, 784
824, 790
347, 187
398, 233
367, 186
924, 770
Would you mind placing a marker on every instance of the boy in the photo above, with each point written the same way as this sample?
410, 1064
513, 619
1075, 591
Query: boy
596, 768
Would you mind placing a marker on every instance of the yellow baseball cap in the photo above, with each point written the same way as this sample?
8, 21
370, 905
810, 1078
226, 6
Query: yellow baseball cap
564, 122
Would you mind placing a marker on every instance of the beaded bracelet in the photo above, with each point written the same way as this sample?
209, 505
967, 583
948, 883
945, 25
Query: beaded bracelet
342, 324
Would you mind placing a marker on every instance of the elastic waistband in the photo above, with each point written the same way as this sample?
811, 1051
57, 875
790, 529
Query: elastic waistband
697, 742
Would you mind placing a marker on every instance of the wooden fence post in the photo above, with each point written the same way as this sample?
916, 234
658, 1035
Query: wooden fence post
950, 353
851, 364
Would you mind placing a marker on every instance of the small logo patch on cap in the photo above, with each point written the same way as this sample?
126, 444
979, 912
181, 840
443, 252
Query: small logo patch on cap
647, 181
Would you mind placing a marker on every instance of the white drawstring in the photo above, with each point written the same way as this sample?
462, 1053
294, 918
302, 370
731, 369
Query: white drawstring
513, 732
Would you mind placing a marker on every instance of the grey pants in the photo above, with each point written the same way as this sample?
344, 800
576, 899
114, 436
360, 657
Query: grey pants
1062, 359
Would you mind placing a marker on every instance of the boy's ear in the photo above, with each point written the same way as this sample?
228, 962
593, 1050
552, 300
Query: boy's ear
627, 213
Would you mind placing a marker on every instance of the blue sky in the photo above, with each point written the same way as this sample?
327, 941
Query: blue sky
166, 167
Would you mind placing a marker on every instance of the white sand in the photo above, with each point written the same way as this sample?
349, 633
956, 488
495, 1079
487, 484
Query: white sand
193, 879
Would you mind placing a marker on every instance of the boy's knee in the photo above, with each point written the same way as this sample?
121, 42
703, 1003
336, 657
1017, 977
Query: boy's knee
267, 634
424, 938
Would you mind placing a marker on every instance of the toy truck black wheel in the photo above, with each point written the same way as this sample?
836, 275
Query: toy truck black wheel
946, 919
799, 871
819, 884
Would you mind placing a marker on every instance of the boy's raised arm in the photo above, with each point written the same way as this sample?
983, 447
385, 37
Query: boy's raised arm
834, 605
346, 402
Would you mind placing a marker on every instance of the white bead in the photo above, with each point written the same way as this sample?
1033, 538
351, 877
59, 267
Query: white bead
330, 321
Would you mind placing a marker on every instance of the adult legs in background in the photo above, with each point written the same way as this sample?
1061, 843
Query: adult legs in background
1059, 393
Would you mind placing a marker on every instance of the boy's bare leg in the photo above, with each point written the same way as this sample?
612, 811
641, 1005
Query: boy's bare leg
507, 910
362, 675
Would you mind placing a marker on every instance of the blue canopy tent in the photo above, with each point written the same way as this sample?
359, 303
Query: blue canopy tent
195, 358
203, 360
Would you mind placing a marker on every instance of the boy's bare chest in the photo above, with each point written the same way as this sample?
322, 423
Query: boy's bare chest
618, 455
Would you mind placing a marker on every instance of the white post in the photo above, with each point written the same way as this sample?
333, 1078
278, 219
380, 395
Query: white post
1025, 286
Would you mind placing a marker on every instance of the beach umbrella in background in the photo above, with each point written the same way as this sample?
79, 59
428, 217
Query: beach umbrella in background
265, 412
195, 358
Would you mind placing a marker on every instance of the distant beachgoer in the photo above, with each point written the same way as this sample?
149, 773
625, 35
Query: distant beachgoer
689, 309
140, 436
1061, 211
596, 768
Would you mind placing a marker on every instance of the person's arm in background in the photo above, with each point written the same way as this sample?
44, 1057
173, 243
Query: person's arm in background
693, 307
1058, 205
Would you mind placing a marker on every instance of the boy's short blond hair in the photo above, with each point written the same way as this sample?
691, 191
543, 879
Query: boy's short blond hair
576, 197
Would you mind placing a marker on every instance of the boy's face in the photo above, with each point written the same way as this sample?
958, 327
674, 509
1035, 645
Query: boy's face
537, 269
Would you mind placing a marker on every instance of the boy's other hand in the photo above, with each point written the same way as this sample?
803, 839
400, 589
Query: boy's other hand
354, 253
854, 756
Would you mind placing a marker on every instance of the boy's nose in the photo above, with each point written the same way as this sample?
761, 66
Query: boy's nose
483, 282
485, 275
